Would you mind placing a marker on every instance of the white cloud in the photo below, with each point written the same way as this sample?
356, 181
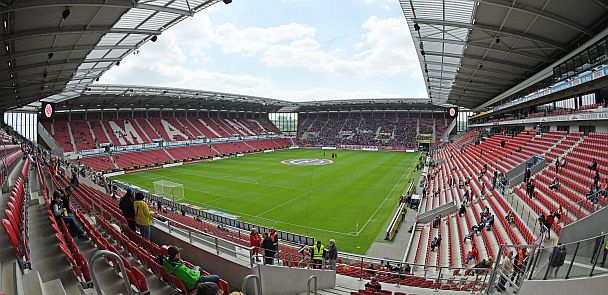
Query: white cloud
387, 50
181, 58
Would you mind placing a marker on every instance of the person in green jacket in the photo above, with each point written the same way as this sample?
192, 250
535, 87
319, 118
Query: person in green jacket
190, 277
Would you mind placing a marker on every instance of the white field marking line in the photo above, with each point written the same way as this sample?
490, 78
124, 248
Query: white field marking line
207, 192
387, 196
247, 182
284, 203
272, 220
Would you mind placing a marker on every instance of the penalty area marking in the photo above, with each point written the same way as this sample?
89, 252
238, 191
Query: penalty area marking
307, 162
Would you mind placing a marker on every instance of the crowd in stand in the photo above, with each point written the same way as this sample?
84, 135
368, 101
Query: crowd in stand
369, 131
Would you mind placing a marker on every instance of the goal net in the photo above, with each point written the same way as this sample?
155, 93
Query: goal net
169, 190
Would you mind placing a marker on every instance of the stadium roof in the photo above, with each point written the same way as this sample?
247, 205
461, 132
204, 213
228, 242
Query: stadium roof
129, 97
476, 50
54, 49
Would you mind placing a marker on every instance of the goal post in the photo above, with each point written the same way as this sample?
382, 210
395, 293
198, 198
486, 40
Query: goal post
169, 190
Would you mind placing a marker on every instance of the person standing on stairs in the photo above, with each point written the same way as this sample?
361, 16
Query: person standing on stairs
127, 208
143, 215
527, 175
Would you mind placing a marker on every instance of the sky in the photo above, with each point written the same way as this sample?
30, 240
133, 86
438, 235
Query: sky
297, 50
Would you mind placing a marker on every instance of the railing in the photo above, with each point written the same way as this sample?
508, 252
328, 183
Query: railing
256, 281
424, 276
519, 208
594, 198
578, 259
312, 278
125, 277
220, 246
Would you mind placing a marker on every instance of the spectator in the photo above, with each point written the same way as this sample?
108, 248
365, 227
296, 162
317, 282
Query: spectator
505, 271
468, 237
209, 288
191, 277
373, 284
436, 243
593, 165
549, 219
473, 254
519, 264
143, 215
555, 184
318, 253
462, 210
557, 258
436, 221
159, 204
62, 213
332, 254
527, 175
558, 214
267, 246
74, 181
255, 241
127, 208
556, 165
274, 236
596, 179
489, 222
510, 217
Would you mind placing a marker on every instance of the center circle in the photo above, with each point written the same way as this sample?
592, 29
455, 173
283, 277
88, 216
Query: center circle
307, 162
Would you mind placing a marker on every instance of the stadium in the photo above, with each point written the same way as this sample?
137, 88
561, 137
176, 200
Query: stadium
493, 181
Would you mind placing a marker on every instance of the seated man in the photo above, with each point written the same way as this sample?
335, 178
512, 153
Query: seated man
373, 284
62, 213
555, 184
190, 277
489, 222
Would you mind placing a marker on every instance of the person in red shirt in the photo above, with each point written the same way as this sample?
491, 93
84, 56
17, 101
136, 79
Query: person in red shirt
473, 254
548, 223
255, 241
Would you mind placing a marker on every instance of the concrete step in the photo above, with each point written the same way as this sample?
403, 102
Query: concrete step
32, 284
54, 287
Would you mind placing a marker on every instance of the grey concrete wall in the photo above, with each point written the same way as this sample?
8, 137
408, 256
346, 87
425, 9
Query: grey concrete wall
284, 280
590, 226
226, 267
48, 139
587, 286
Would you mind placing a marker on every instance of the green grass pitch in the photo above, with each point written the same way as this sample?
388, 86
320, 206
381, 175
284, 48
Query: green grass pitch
350, 200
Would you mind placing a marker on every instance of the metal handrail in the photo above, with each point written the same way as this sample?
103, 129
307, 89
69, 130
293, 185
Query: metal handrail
257, 286
125, 277
313, 277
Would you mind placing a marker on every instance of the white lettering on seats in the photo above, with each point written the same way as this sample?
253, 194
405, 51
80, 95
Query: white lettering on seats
128, 133
172, 131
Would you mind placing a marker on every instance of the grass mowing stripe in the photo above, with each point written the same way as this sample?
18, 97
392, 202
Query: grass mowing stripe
321, 201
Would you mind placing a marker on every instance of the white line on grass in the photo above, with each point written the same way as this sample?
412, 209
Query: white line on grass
234, 180
284, 203
387, 196
272, 220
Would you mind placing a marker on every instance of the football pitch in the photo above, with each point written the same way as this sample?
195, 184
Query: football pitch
350, 199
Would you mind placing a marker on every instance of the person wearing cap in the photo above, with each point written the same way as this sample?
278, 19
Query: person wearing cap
127, 208
143, 215
373, 284
174, 265
68, 219
318, 253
